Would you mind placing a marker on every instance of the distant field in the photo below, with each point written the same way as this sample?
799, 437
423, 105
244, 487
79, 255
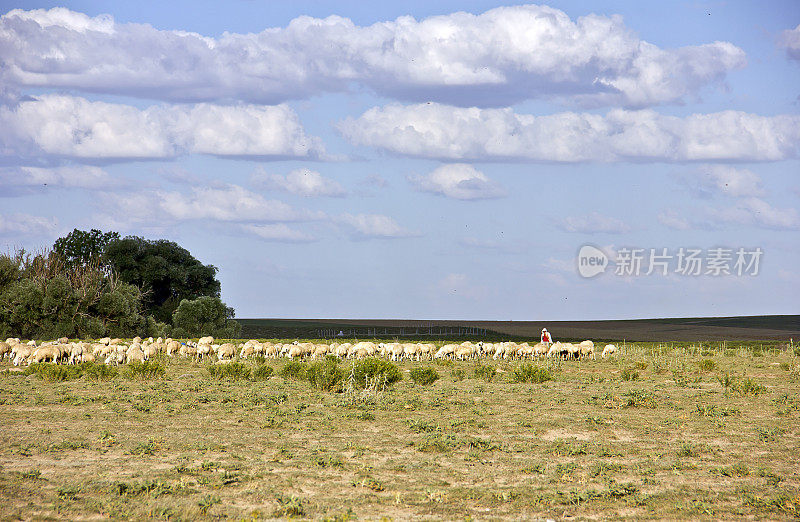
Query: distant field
747, 328
662, 431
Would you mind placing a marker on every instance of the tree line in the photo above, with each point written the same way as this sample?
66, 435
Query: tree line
93, 284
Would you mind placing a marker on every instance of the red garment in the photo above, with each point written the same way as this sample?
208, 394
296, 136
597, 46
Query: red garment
546, 337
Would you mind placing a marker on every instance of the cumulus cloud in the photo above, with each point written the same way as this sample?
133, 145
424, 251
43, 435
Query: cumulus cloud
278, 232
495, 58
27, 225
68, 126
458, 181
790, 40
710, 180
452, 133
593, 223
227, 203
365, 226
303, 182
26, 180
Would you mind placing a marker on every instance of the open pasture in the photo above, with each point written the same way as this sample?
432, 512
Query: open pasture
664, 431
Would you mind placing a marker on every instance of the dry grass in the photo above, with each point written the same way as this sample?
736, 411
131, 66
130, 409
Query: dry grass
674, 443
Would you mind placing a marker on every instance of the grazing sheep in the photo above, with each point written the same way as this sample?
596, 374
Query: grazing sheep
226, 351
5, 350
21, 353
206, 340
608, 351
444, 351
46, 353
171, 347
150, 351
540, 349
586, 349
134, 353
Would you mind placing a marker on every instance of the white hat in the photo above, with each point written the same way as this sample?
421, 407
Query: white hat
544, 329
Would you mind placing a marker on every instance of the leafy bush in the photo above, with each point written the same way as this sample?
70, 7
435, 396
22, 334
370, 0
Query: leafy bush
707, 365
424, 376
749, 387
527, 372
54, 372
145, 370
371, 369
640, 399
458, 374
262, 372
325, 374
487, 372
233, 371
99, 372
293, 370
629, 374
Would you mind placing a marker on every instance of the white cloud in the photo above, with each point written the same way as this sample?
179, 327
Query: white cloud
495, 58
227, 203
724, 179
790, 40
758, 213
27, 225
23, 180
593, 223
452, 133
673, 219
69, 126
374, 226
458, 181
303, 182
279, 232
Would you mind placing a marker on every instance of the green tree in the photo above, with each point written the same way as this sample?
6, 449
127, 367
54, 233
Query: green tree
166, 273
82, 248
205, 316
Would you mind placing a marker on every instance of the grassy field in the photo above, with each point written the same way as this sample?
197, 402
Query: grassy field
660, 432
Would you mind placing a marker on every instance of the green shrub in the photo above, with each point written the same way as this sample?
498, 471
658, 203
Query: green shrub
487, 372
424, 376
145, 370
630, 374
749, 387
527, 372
458, 374
640, 399
54, 372
262, 372
325, 374
293, 370
99, 372
707, 365
229, 371
370, 369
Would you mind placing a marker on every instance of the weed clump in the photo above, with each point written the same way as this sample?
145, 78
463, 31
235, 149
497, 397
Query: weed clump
424, 376
707, 365
371, 368
458, 374
487, 372
325, 374
99, 372
145, 370
295, 370
54, 372
630, 374
262, 372
527, 372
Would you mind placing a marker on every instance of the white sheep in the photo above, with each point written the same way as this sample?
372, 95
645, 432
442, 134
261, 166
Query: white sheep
586, 349
608, 351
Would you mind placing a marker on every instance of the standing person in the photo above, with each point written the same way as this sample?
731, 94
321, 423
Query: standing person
546, 339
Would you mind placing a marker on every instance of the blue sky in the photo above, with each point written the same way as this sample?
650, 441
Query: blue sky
419, 160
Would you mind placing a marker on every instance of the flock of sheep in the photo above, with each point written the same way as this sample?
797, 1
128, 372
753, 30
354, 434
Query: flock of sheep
115, 351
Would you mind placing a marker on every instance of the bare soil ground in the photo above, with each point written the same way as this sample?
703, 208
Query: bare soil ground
657, 433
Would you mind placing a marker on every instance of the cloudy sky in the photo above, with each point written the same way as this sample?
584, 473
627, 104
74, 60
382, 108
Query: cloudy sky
426, 160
